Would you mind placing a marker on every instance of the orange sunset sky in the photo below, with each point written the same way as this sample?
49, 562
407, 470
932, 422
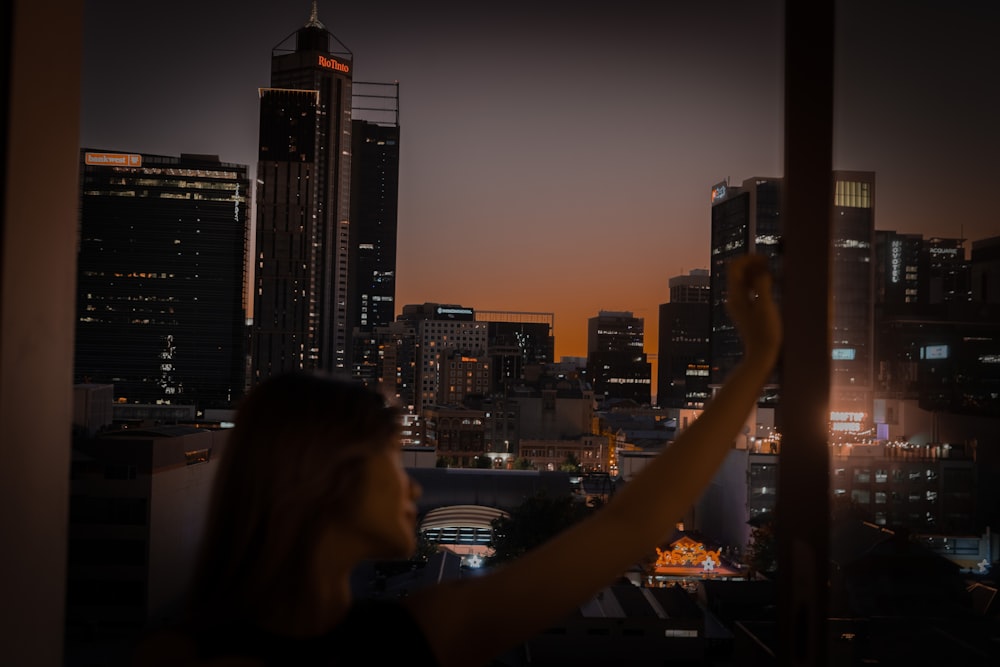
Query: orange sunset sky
557, 157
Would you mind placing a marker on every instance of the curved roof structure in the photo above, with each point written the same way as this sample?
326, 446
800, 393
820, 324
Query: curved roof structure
500, 489
467, 516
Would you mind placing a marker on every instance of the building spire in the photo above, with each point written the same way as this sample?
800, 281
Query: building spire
314, 21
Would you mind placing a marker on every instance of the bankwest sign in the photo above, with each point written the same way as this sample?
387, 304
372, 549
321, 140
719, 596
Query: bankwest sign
114, 159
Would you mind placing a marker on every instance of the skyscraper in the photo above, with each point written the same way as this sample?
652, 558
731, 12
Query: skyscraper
161, 310
936, 339
852, 289
517, 341
683, 373
374, 205
303, 206
432, 329
747, 219
616, 361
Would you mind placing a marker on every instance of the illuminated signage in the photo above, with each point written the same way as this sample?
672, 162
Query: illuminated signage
113, 159
843, 354
896, 260
934, 352
336, 64
719, 192
442, 310
846, 422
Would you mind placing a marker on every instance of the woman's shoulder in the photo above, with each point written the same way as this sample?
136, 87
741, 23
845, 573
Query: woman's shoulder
174, 647
387, 626
373, 631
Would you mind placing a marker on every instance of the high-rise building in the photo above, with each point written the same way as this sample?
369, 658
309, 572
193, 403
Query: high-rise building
852, 286
161, 310
897, 272
747, 219
517, 342
948, 274
938, 341
300, 318
616, 362
433, 330
986, 270
374, 205
683, 370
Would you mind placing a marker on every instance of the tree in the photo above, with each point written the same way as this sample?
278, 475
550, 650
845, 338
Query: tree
523, 464
426, 548
761, 555
531, 523
570, 464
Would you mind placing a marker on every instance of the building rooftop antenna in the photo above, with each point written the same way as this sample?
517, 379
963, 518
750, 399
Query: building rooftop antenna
314, 21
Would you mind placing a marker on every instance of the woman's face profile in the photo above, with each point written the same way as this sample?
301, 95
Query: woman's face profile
387, 513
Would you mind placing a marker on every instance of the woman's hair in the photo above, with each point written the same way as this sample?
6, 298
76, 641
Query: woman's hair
293, 463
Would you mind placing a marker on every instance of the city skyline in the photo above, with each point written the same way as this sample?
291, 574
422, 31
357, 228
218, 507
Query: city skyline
572, 154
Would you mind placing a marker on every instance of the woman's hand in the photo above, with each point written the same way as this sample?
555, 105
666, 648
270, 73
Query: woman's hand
751, 306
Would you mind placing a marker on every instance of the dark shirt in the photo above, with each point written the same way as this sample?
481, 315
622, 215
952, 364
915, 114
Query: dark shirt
374, 632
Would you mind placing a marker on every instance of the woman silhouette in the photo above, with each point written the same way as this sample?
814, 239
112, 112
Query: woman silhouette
312, 484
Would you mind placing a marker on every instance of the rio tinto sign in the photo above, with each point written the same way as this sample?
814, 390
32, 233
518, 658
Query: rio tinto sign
336, 64
113, 159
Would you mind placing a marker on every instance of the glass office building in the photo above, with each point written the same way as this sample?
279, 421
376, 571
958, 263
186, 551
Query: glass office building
161, 278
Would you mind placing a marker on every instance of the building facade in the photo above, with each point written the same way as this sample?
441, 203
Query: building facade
371, 272
161, 277
683, 346
518, 342
300, 318
936, 341
616, 363
747, 219
852, 284
432, 329
137, 509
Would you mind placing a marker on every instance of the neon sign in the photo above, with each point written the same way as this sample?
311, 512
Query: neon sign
115, 159
335, 64
897, 260
719, 192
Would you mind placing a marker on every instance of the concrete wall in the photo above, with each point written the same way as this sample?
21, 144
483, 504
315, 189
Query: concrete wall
39, 141
179, 500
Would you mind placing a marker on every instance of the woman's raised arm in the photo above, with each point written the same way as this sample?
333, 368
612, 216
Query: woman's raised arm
469, 621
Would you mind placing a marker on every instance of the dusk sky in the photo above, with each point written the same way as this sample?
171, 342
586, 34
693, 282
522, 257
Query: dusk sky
561, 158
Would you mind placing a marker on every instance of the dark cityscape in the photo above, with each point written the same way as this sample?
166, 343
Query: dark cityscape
421, 218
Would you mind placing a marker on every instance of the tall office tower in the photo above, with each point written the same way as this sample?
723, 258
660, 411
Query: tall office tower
986, 270
948, 278
462, 377
397, 353
374, 206
517, 342
300, 318
940, 345
852, 287
897, 271
438, 328
161, 310
616, 362
747, 219
683, 372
